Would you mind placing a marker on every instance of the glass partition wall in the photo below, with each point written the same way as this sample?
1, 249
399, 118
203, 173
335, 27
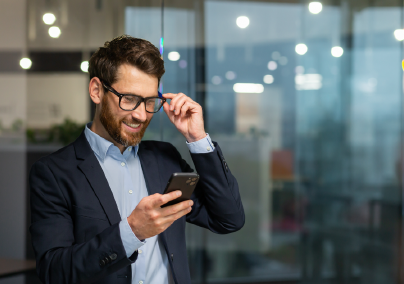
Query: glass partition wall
304, 98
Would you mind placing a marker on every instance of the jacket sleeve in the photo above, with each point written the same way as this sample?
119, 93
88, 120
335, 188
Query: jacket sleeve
59, 258
217, 203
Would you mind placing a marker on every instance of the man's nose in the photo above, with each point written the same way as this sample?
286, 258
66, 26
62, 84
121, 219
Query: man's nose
140, 112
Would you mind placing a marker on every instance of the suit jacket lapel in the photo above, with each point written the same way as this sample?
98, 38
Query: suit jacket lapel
92, 170
151, 172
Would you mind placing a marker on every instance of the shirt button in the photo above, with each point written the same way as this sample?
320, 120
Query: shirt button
130, 191
208, 148
140, 282
130, 149
122, 164
139, 251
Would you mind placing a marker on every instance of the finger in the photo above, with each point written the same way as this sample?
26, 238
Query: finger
189, 106
174, 101
179, 103
176, 216
169, 95
164, 198
173, 209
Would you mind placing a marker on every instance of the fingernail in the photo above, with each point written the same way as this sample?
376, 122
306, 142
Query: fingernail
178, 193
190, 203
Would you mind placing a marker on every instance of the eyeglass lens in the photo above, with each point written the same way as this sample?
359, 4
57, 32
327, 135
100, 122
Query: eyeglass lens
130, 102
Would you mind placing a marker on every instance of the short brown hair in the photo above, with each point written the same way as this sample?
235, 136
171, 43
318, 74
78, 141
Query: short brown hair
104, 63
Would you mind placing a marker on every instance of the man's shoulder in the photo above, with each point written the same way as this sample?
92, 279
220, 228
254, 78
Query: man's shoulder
60, 157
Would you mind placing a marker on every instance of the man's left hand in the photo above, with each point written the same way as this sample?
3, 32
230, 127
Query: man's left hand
186, 115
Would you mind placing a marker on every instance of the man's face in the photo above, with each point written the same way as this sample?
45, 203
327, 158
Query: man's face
128, 127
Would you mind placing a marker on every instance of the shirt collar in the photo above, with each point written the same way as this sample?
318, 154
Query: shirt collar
100, 145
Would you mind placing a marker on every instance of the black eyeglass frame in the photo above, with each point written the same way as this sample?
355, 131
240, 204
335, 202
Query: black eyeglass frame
141, 99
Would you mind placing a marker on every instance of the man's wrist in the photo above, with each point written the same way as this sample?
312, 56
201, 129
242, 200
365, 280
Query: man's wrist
191, 139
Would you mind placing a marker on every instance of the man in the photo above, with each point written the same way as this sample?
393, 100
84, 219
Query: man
96, 203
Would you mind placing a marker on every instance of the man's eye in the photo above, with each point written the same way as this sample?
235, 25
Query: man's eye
129, 99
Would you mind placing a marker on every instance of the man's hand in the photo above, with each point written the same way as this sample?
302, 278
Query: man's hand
186, 115
149, 219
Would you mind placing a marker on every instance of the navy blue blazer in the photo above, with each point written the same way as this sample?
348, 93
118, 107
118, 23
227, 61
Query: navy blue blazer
75, 219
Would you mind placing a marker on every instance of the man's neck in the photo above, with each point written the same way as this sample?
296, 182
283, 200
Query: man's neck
99, 129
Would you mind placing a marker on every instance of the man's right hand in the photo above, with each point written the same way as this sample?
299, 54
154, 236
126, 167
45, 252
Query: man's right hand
149, 219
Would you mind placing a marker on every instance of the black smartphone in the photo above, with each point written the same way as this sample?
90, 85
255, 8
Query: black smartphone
185, 182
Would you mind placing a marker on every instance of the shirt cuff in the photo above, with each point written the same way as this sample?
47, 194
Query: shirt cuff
204, 145
129, 240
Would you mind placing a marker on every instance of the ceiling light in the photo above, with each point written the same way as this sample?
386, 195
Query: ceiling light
276, 55
25, 63
84, 66
272, 65
299, 69
230, 75
183, 64
337, 51
49, 18
399, 34
268, 79
54, 32
283, 60
174, 56
243, 22
301, 48
315, 7
216, 80
248, 88
308, 82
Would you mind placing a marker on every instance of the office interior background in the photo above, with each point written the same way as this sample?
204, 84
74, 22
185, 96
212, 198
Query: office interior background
305, 99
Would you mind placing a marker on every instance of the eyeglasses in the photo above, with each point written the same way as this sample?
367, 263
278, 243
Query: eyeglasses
131, 102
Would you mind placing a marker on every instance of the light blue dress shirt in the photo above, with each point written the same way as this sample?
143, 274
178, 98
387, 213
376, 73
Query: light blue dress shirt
126, 180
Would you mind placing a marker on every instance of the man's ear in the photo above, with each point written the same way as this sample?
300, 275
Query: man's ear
96, 90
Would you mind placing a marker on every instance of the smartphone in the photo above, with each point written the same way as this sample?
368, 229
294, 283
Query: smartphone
186, 182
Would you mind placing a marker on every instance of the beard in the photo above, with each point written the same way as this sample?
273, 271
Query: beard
114, 126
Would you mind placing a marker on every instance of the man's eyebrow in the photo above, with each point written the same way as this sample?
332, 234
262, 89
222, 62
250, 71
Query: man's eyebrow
133, 94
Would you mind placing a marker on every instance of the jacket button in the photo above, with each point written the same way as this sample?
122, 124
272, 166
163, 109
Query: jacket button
172, 257
113, 256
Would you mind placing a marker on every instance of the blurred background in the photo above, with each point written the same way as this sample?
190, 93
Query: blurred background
305, 99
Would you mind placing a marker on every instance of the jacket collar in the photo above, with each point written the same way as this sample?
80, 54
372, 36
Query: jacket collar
91, 168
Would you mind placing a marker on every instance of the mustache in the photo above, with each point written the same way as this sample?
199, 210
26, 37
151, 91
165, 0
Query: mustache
134, 121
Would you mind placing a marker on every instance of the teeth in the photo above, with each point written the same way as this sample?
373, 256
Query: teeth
132, 125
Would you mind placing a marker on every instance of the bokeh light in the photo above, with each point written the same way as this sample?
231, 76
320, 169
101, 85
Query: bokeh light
25, 63
54, 32
84, 66
283, 60
399, 34
249, 88
230, 75
216, 80
183, 64
272, 65
301, 49
315, 7
276, 55
337, 51
173, 56
243, 22
268, 79
49, 18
